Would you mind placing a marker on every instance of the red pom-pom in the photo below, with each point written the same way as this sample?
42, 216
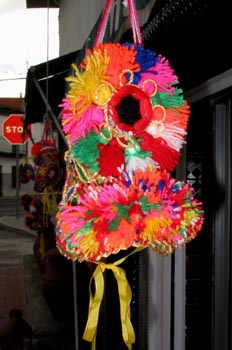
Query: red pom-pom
48, 142
165, 156
111, 158
35, 149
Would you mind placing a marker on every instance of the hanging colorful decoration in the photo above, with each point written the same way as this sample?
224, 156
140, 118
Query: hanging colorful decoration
46, 158
34, 218
125, 120
47, 176
26, 172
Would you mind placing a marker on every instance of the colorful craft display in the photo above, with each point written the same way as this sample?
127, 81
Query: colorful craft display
34, 207
125, 120
46, 157
26, 172
46, 173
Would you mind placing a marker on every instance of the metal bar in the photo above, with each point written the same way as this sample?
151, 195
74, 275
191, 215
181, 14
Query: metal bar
222, 228
75, 306
51, 113
17, 181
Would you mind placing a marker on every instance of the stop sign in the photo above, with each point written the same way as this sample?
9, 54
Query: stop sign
13, 129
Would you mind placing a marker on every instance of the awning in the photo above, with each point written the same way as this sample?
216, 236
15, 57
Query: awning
41, 3
45, 87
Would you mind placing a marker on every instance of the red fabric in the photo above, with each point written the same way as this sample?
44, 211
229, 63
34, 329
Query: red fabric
164, 155
145, 108
111, 157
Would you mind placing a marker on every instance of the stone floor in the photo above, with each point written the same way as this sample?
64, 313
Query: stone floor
48, 333
14, 243
12, 292
20, 287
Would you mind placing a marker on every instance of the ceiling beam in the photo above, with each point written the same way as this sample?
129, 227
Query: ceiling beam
41, 3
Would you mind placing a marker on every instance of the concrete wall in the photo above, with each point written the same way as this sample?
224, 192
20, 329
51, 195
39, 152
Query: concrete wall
76, 19
6, 178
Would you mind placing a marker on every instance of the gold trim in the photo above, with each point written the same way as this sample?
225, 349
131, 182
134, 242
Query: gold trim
162, 248
102, 105
155, 87
164, 113
123, 74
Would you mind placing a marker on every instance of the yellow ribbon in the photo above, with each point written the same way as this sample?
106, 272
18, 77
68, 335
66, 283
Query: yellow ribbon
49, 203
125, 296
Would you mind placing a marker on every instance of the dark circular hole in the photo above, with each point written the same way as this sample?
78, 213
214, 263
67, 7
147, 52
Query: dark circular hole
128, 110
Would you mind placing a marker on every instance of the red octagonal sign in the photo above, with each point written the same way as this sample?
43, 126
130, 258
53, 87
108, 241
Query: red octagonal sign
13, 129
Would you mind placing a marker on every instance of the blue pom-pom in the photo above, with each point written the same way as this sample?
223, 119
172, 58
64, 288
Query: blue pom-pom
145, 58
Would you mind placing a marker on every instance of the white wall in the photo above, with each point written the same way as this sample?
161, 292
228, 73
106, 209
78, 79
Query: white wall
77, 19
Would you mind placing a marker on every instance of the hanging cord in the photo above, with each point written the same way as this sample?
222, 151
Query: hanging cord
46, 115
133, 21
48, 132
103, 23
47, 65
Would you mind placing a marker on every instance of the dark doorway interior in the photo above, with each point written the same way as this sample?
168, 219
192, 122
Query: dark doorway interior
0, 181
199, 252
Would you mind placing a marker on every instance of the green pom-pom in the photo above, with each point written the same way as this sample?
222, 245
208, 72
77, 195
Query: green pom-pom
169, 101
86, 150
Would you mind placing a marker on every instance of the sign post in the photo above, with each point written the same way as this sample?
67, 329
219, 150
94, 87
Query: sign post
13, 131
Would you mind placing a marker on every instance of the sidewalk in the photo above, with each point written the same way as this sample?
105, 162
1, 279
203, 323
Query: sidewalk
16, 224
20, 287
12, 293
12, 289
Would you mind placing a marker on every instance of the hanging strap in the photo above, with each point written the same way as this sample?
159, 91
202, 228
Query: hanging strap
133, 21
103, 23
47, 131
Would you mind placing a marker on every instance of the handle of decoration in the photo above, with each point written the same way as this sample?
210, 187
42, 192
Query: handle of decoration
47, 131
103, 23
137, 36
133, 20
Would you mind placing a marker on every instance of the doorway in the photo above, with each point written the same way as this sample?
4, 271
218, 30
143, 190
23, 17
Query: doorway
208, 257
0, 180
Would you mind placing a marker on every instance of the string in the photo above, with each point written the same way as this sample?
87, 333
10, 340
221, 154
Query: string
133, 21
103, 23
47, 63
47, 122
